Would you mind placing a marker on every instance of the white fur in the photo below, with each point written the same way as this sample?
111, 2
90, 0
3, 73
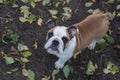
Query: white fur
92, 45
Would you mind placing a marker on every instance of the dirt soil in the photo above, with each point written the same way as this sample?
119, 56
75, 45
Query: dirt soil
41, 62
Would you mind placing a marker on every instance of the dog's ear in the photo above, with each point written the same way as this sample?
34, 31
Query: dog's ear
50, 23
72, 31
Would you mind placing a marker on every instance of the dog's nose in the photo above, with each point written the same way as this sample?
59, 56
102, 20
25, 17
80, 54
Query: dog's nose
55, 43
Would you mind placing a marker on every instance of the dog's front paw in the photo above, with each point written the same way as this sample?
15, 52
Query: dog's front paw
59, 64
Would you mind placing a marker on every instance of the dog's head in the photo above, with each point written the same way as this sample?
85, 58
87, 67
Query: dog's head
58, 38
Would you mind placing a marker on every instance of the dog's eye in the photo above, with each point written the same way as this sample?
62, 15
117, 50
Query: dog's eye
50, 35
64, 39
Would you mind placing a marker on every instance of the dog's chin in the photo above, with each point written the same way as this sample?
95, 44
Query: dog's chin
52, 51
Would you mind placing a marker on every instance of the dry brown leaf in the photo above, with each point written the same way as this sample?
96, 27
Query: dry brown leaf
35, 45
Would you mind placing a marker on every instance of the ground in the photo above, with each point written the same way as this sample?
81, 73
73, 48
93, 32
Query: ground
41, 62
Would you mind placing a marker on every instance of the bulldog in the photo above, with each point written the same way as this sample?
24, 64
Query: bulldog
64, 41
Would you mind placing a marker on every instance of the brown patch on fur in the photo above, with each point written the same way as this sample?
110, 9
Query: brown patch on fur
51, 30
94, 26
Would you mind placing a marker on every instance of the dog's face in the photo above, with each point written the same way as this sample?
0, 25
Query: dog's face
57, 39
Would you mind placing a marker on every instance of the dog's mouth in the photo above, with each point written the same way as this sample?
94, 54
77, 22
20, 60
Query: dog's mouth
53, 48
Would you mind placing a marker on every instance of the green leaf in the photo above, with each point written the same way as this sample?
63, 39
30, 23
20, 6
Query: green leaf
111, 1
109, 39
53, 12
90, 11
88, 4
22, 47
31, 75
33, 4
24, 7
25, 1
25, 60
115, 69
101, 43
68, 1
59, 79
32, 18
66, 71
25, 10
9, 60
45, 2
90, 68
66, 9
1, 1
26, 53
56, 71
25, 72
118, 7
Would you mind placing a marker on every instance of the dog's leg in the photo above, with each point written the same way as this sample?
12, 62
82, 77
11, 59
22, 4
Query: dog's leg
92, 45
60, 62
68, 53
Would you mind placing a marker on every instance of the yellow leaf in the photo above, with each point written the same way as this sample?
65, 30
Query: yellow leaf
30, 21
113, 72
9, 72
57, 4
15, 5
76, 54
40, 22
22, 11
35, 45
54, 17
33, 4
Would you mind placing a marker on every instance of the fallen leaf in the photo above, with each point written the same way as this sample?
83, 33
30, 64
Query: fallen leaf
22, 19
109, 39
35, 45
22, 47
3, 36
66, 71
25, 1
15, 5
40, 22
25, 72
32, 4
26, 53
54, 17
88, 4
25, 60
45, 2
68, 1
76, 54
58, 4
9, 60
90, 11
111, 1
1, 1
53, 12
118, 7
90, 68
14, 70
32, 18
46, 78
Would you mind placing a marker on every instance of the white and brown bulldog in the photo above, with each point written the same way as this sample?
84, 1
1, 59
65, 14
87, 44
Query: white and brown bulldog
65, 41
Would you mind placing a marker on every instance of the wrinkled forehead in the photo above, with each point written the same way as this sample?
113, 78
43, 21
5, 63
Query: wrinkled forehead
60, 31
